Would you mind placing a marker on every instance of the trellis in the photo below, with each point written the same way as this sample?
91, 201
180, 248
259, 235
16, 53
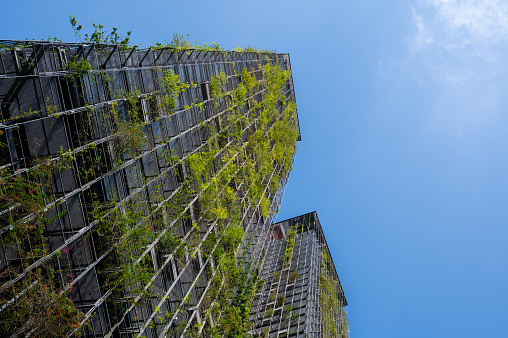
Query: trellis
46, 100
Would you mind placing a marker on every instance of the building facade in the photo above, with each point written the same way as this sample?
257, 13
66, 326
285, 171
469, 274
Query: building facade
137, 187
300, 294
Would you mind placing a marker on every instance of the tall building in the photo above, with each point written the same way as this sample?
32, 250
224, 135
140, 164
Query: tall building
300, 294
137, 186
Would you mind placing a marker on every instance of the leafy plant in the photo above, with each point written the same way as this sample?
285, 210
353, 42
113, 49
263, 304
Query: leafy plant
40, 310
268, 313
247, 149
280, 300
99, 35
171, 88
273, 295
293, 276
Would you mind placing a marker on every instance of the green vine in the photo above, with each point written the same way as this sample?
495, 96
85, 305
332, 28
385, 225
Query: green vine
230, 174
333, 315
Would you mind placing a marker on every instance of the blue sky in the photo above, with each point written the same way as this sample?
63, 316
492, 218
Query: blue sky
403, 112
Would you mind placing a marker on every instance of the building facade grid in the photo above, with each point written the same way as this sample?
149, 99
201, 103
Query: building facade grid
56, 104
301, 294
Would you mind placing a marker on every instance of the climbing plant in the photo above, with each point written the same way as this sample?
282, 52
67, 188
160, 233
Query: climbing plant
99, 34
333, 316
38, 303
240, 166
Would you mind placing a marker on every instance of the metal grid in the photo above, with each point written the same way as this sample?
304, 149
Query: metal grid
288, 304
34, 79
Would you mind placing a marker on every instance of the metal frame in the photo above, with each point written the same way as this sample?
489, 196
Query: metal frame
48, 83
296, 283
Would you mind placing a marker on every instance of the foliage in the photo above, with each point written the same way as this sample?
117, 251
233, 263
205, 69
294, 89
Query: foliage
79, 66
290, 245
23, 198
40, 310
181, 42
99, 34
280, 300
344, 325
239, 93
268, 313
129, 139
332, 310
283, 135
248, 81
229, 175
247, 171
171, 88
264, 205
232, 237
170, 243
273, 295
217, 85
294, 276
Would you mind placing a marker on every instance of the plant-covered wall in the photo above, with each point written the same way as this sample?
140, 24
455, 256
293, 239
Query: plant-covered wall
334, 318
130, 190
299, 293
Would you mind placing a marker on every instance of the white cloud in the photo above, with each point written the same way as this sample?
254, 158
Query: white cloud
482, 20
452, 76
422, 37
466, 27
455, 55
453, 40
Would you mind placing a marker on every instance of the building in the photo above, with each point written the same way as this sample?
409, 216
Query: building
137, 186
301, 295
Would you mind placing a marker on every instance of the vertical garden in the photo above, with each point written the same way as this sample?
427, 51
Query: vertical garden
132, 187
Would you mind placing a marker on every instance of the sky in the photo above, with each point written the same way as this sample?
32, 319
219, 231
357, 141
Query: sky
404, 122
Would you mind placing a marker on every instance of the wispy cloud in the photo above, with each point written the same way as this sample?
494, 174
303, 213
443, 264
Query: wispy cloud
482, 20
464, 27
423, 36
455, 53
